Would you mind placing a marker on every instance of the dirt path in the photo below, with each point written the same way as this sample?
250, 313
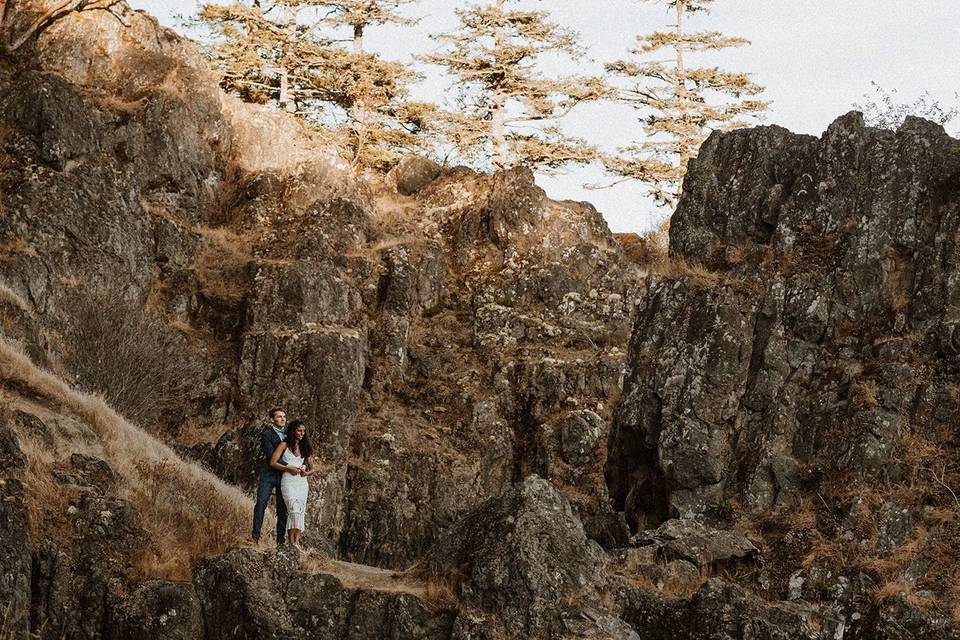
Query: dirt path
361, 576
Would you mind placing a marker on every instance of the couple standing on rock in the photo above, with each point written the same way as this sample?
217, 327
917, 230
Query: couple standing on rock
286, 464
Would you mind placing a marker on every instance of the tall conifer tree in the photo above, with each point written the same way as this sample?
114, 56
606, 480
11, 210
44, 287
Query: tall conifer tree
494, 55
278, 53
382, 119
680, 104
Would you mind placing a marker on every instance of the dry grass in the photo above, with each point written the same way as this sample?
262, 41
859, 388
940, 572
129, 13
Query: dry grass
673, 584
827, 552
647, 251
222, 262
10, 297
186, 515
899, 303
864, 394
440, 593
903, 589
189, 512
803, 516
697, 276
118, 105
47, 500
683, 586
11, 249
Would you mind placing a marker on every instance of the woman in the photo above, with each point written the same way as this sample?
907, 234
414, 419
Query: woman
292, 457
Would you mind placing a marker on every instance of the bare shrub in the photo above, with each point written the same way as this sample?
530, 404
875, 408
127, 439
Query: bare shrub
883, 108
221, 265
128, 355
649, 250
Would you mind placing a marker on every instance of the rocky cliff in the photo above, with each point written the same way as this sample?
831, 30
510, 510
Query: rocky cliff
779, 464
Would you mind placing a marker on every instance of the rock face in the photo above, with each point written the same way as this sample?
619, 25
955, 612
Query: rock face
15, 566
450, 324
457, 344
444, 334
820, 271
797, 358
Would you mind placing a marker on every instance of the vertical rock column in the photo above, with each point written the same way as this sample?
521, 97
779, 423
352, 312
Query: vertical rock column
15, 561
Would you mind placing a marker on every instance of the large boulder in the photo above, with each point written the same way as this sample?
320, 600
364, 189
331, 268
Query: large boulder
720, 610
157, 609
414, 173
523, 556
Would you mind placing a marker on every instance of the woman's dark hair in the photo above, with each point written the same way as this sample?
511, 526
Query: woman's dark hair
305, 449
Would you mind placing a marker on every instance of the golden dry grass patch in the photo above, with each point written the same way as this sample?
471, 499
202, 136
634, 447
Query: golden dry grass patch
189, 513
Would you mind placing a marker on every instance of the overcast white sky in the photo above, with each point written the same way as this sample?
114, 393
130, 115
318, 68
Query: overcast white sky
816, 58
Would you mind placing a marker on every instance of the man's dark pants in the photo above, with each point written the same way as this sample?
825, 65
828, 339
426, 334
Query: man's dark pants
269, 480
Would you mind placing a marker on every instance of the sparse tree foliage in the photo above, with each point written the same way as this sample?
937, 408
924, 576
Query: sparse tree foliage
267, 53
505, 103
382, 121
883, 110
278, 53
680, 104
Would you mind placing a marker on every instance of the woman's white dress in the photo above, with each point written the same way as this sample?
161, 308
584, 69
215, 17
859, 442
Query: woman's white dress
294, 489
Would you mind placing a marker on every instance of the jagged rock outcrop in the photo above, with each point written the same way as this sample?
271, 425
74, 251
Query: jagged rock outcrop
825, 273
370, 312
272, 598
798, 352
444, 334
723, 610
15, 550
520, 555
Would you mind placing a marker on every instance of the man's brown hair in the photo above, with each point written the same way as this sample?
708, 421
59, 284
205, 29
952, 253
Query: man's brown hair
273, 411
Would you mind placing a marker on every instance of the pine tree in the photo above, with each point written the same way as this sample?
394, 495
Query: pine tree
383, 121
676, 101
494, 55
276, 53
268, 54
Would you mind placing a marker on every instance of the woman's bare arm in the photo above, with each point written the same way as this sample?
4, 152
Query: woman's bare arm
275, 458
311, 468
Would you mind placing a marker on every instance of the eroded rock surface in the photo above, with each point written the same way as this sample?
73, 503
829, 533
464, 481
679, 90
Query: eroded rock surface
456, 343
798, 356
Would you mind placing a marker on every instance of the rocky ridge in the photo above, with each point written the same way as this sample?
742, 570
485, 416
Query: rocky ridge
457, 343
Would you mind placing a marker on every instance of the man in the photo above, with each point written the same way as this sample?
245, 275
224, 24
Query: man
273, 434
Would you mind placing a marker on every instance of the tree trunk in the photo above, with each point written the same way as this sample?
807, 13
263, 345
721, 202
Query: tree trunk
683, 140
358, 38
285, 103
286, 100
359, 106
498, 131
498, 124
